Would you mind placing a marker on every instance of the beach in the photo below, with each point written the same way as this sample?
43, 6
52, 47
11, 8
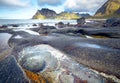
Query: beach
87, 53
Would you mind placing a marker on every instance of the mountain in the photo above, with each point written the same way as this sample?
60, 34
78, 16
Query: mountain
44, 13
47, 12
85, 15
50, 14
110, 9
118, 11
67, 16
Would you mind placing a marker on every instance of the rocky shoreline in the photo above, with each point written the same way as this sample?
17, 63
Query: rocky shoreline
47, 54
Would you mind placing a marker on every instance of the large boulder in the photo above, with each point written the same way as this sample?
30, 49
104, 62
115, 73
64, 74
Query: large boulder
11, 72
80, 21
56, 65
60, 25
36, 59
46, 29
3, 26
112, 22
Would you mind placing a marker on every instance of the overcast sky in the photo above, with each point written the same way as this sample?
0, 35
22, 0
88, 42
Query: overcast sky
25, 9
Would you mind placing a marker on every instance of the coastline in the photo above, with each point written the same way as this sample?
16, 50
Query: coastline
92, 52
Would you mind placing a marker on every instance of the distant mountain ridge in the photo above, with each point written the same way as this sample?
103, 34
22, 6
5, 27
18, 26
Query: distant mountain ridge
67, 16
85, 15
45, 13
110, 9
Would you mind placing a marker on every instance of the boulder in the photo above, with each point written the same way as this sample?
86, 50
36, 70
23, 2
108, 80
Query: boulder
14, 25
11, 72
60, 25
80, 21
44, 29
4, 26
58, 66
34, 25
112, 22
36, 60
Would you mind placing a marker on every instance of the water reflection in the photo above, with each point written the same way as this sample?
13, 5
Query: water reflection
90, 45
4, 37
4, 48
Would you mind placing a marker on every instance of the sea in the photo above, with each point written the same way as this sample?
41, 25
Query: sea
31, 21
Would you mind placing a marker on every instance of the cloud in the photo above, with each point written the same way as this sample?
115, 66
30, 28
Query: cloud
83, 5
13, 3
50, 2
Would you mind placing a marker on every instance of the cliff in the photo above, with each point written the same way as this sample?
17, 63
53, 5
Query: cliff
110, 9
44, 13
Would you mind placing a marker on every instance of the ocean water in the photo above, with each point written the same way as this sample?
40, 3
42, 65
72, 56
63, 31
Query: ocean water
31, 21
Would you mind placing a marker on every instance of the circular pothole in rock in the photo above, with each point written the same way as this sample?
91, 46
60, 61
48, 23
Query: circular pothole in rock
37, 59
34, 64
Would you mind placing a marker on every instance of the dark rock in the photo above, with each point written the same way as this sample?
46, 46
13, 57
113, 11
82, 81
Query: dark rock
10, 71
60, 25
105, 32
80, 21
34, 25
112, 22
45, 30
15, 25
4, 26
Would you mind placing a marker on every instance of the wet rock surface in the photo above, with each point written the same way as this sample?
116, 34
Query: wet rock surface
60, 66
59, 55
10, 71
112, 22
90, 51
36, 60
80, 21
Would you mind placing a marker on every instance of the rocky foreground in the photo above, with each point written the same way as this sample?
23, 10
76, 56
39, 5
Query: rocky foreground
46, 54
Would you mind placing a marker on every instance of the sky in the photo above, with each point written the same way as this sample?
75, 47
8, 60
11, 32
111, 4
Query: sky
25, 9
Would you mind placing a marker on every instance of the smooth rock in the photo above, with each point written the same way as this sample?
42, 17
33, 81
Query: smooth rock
11, 72
80, 21
60, 25
36, 60
59, 66
112, 22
